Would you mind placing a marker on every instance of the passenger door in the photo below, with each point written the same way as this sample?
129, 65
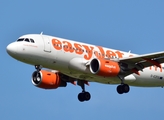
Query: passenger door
47, 46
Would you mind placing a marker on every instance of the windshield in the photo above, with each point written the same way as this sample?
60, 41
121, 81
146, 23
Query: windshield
26, 40
21, 39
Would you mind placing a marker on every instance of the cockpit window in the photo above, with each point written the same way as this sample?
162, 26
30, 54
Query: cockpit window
32, 40
27, 40
21, 39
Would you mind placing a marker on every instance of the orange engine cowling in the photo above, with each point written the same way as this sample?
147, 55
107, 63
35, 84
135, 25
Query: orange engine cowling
47, 80
106, 68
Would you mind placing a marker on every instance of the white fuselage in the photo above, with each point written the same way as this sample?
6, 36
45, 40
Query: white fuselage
71, 58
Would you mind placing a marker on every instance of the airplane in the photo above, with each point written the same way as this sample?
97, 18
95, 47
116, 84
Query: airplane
67, 61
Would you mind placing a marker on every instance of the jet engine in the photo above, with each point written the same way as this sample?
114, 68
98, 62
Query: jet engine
103, 67
47, 80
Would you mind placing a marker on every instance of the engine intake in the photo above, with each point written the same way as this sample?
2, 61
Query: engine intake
47, 80
106, 68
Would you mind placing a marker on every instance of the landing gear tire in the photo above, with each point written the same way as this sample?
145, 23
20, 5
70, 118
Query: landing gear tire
119, 89
87, 96
80, 97
123, 88
84, 96
38, 67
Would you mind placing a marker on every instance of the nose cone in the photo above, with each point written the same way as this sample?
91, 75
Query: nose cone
11, 49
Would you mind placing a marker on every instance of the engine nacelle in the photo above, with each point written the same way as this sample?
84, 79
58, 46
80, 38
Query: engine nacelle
106, 68
47, 80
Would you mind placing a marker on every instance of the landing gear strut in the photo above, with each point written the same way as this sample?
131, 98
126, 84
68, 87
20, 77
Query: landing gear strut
83, 96
123, 88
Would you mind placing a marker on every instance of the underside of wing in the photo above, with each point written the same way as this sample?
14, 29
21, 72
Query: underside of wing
134, 64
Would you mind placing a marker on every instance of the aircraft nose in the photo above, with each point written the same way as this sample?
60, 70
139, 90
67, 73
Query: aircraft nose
11, 49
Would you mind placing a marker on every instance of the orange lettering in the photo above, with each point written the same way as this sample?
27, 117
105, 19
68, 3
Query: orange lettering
89, 51
97, 54
57, 44
78, 50
110, 53
68, 47
119, 54
101, 54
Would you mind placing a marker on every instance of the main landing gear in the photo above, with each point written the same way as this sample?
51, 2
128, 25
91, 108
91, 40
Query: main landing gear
123, 88
83, 96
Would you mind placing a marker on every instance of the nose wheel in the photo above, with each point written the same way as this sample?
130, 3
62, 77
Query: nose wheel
38, 67
83, 96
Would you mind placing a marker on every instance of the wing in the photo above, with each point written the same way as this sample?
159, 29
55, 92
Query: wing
136, 63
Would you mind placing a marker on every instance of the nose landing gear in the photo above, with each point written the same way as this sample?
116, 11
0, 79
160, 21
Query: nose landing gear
38, 67
37, 77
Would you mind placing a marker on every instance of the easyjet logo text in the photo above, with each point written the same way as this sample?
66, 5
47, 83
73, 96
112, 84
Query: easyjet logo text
85, 50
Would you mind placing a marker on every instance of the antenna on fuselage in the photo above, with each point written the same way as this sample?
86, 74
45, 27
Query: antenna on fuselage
41, 33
